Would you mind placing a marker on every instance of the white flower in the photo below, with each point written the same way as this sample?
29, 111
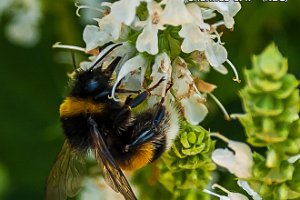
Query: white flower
196, 12
249, 190
294, 159
227, 9
131, 65
148, 40
239, 163
194, 109
230, 195
124, 10
195, 39
176, 13
215, 53
108, 30
161, 69
94, 37
187, 93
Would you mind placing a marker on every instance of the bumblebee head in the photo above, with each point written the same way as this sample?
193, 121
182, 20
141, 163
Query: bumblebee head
94, 81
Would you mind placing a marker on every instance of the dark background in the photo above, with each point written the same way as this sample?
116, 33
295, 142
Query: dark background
33, 83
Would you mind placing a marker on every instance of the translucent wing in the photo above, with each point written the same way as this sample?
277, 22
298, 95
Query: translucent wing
112, 173
66, 174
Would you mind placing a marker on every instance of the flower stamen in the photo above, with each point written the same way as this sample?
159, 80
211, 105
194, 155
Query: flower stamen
218, 135
79, 7
236, 79
64, 46
226, 115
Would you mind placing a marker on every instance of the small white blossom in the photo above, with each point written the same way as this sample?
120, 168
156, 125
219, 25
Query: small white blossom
239, 163
136, 63
161, 69
94, 37
215, 53
187, 93
294, 159
227, 9
196, 12
148, 39
195, 39
176, 13
194, 109
124, 10
108, 30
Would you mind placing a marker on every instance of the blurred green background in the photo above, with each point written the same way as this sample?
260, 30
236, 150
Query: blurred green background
33, 81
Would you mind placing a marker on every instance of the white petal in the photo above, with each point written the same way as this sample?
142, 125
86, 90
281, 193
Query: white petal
148, 40
176, 13
195, 11
181, 78
222, 69
237, 196
193, 38
227, 9
215, 53
243, 155
239, 163
110, 26
94, 37
294, 159
249, 190
208, 13
124, 10
131, 65
225, 158
194, 109
162, 62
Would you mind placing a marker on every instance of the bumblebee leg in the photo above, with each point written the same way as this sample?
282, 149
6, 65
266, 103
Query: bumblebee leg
148, 133
143, 96
134, 102
112, 173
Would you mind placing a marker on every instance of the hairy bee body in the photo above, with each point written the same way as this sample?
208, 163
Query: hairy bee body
119, 138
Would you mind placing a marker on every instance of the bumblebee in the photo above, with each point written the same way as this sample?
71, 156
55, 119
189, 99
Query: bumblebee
119, 138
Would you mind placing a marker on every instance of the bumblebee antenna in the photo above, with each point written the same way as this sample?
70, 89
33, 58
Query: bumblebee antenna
104, 55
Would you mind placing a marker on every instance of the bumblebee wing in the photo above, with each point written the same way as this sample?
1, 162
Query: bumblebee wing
66, 175
112, 173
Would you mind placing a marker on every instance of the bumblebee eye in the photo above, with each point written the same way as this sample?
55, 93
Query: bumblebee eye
92, 85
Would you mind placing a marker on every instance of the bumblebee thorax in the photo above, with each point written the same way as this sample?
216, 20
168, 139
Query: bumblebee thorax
75, 106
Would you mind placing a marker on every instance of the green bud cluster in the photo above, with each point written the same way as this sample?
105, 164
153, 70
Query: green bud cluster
182, 172
186, 169
271, 101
